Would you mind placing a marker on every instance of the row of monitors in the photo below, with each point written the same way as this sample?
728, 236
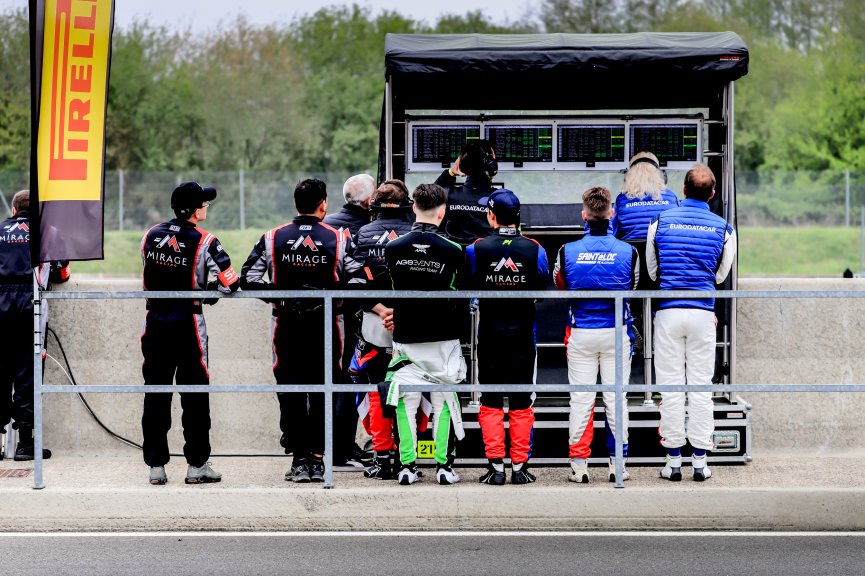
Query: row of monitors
557, 144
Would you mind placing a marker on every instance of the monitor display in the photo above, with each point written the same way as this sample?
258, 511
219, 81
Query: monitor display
521, 143
591, 143
441, 144
669, 142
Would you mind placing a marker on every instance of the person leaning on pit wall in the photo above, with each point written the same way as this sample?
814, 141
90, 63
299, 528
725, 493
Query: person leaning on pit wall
16, 323
644, 195
465, 220
178, 255
426, 334
596, 262
354, 214
392, 217
507, 352
688, 248
304, 254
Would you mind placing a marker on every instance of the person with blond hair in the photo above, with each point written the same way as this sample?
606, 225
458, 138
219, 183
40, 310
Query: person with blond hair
644, 195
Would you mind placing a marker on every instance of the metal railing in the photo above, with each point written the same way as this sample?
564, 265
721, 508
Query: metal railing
328, 388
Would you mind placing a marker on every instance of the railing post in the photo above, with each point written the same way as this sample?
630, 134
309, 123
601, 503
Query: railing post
120, 191
328, 392
620, 395
38, 484
847, 198
241, 195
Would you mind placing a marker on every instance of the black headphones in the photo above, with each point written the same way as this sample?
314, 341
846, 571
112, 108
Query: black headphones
646, 160
491, 165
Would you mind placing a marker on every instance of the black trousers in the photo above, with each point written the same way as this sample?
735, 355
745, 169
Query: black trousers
175, 348
506, 361
16, 358
298, 344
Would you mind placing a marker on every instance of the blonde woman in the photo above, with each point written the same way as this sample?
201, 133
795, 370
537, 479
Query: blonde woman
644, 195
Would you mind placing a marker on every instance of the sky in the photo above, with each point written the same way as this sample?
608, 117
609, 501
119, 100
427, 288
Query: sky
206, 14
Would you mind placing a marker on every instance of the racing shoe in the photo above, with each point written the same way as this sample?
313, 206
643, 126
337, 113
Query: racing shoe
359, 458
298, 472
381, 468
579, 471
672, 470
25, 452
701, 469
316, 469
446, 475
157, 475
625, 474
203, 474
521, 475
408, 475
494, 476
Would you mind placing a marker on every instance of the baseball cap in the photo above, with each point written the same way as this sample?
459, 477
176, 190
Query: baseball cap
190, 196
502, 202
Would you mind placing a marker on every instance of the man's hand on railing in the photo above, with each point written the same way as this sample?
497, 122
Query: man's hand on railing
212, 286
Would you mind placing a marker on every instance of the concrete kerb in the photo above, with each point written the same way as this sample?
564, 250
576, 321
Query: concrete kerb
775, 493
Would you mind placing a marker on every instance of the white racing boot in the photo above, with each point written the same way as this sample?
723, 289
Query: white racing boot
701, 469
672, 470
579, 471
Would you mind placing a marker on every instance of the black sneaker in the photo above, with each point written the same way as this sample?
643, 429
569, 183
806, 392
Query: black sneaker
381, 469
25, 452
493, 477
298, 472
359, 458
316, 469
522, 476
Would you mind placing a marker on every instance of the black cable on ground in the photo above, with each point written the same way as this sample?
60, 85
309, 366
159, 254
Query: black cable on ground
117, 436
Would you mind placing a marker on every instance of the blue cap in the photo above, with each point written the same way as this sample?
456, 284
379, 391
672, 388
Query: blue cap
502, 201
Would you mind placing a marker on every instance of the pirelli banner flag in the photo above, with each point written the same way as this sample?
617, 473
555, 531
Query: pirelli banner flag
70, 59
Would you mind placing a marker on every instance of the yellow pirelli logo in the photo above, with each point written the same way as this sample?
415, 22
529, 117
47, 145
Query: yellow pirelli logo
73, 99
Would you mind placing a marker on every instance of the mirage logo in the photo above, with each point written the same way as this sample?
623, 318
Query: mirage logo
387, 237
171, 242
18, 226
305, 242
421, 248
506, 263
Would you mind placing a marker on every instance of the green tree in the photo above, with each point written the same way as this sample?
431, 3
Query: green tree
342, 54
14, 90
152, 122
250, 97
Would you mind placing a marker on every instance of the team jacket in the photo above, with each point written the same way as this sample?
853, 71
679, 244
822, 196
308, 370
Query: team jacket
423, 260
507, 260
690, 248
305, 254
371, 240
350, 218
633, 215
177, 255
465, 221
597, 262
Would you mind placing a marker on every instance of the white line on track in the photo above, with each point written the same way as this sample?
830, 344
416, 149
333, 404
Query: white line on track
434, 534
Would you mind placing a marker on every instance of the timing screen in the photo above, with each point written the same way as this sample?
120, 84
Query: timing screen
591, 143
522, 143
441, 144
669, 142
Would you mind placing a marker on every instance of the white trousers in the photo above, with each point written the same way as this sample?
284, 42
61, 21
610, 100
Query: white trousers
430, 362
685, 354
591, 350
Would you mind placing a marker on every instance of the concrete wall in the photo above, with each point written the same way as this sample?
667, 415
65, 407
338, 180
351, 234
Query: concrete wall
779, 341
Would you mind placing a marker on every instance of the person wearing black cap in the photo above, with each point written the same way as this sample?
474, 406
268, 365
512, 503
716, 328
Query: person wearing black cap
178, 255
465, 220
304, 254
506, 260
